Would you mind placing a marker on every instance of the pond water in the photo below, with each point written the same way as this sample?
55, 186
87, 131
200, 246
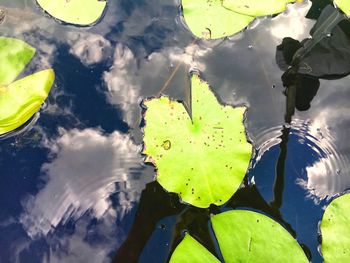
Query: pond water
73, 186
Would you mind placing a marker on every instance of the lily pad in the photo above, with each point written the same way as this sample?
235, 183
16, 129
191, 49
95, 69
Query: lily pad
344, 5
205, 159
245, 236
21, 99
335, 230
209, 19
257, 7
78, 12
15, 54
191, 251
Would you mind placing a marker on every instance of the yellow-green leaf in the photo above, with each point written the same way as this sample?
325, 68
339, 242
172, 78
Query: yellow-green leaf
247, 236
20, 100
191, 251
78, 12
335, 230
209, 19
257, 7
203, 160
244, 236
15, 54
344, 5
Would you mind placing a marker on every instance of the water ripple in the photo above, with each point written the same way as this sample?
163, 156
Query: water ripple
328, 174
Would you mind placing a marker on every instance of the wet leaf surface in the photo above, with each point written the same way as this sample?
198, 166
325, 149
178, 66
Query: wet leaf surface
78, 12
15, 54
257, 7
335, 230
191, 251
344, 5
204, 161
244, 236
21, 99
209, 19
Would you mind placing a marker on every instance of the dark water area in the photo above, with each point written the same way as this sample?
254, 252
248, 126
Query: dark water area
73, 185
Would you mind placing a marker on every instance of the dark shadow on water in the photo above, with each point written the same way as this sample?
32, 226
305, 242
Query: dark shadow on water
156, 203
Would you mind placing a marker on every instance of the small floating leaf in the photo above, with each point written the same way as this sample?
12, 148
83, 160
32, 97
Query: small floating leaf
209, 19
246, 236
191, 251
335, 230
344, 5
203, 160
257, 7
78, 12
22, 99
14, 56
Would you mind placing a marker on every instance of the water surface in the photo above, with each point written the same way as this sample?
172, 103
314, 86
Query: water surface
73, 184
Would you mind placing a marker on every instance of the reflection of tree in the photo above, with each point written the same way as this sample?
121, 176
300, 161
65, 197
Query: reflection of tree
324, 56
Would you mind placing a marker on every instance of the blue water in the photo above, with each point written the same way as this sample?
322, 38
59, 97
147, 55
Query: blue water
73, 186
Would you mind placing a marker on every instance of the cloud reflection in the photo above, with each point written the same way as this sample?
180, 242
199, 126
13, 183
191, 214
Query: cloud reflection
293, 23
90, 48
131, 79
77, 247
87, 167
330, 174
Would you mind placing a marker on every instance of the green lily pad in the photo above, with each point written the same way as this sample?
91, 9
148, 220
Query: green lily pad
20, 100
78, 12
209, 19
335, 230
344, 5
203, 160
191, 251
257, 7
245, 236
14, 56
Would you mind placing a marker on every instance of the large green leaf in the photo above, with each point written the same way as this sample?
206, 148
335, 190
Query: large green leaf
244, 236
335, 230
344, 5
209, 19
78, 12
257, 7
14, 56
203, 160
20, 100
191, 251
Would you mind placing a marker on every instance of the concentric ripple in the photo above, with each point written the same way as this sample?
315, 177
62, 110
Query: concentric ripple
328, 174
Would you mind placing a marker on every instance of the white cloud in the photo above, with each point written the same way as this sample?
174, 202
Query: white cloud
129, 81
329, 175
90, 48
76, 248
122, 84
292, 23
82, 175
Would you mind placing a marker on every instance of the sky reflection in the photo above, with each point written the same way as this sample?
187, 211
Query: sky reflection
82, 175
89, 176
